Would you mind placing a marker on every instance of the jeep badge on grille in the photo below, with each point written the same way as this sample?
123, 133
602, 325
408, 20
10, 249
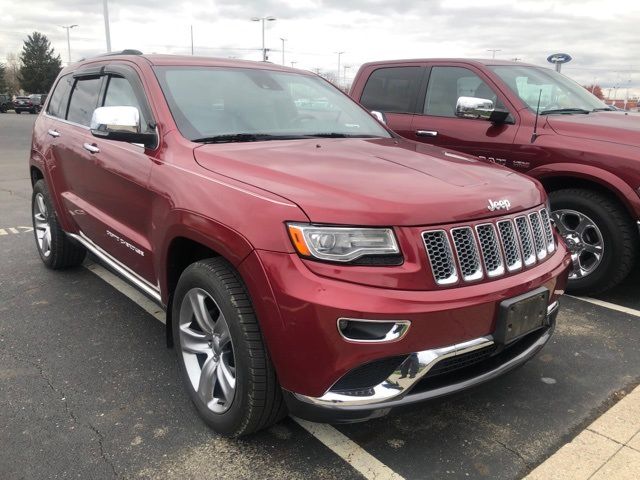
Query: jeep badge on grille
503, 204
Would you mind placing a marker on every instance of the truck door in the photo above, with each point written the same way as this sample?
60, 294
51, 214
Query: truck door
436, 122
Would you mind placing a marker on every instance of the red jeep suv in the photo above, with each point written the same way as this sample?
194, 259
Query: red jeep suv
309, 259
585, 154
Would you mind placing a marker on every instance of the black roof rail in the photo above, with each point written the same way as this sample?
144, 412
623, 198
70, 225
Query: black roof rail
126, 51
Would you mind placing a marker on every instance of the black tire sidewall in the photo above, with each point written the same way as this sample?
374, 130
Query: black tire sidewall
231, 421
596, 211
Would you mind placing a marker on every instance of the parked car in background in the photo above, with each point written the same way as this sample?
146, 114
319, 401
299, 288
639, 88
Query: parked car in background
24, 104
38, 99
5, 103
586, 155
309, 259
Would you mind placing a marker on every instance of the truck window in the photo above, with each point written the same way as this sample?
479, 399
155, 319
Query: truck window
392, 89
60, 98
84, 100
447, 84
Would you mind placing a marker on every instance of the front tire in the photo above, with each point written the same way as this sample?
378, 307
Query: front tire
56, 249
221, 354
601, 236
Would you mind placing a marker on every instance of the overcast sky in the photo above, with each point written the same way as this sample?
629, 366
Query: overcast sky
601, 36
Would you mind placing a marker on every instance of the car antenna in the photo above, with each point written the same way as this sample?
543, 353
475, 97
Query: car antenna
535, 125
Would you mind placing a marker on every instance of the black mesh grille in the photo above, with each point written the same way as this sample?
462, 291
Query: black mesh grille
368, 375
538, 236
440, 256
548, 233
525, 240
490, 249
460, 361
467, 251
510, 244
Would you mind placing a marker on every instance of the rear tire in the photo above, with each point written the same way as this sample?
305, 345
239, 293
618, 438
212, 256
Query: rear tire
586, 219
56, 249
18, 112
221, 354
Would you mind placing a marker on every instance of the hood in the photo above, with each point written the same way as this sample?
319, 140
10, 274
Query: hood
372, 181
616, 127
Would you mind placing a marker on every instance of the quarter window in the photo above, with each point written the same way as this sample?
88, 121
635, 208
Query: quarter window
392, 90
57, 106
447, 84
84, 100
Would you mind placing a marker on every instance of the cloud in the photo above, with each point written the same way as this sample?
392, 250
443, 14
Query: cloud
601, 37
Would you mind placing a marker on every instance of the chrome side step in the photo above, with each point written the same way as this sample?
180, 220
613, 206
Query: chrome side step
129, 275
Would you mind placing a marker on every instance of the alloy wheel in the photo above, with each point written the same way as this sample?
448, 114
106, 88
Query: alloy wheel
41, 225
583, 238
207, 350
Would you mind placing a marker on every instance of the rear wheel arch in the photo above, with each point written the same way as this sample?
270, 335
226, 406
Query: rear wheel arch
35, 174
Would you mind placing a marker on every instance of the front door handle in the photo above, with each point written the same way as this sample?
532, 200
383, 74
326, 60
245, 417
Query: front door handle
91, 148
426, 133
53, 133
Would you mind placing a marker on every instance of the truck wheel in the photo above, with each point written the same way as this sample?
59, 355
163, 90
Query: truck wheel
18, 112
56, 249
602, 238
221, 355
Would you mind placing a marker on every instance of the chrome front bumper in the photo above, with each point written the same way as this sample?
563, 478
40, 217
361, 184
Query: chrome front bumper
395, 390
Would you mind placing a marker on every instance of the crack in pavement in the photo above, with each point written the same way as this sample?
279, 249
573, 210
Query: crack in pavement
515, 452
69, 412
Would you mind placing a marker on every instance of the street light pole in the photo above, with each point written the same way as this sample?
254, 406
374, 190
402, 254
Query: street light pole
191, 39
283, 40
344, 79
494, 50
105, 11
263, 19
293, 64
338, 76
67, 28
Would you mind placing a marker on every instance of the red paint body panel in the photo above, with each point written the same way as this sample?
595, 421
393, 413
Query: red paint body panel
236, 198
602, 147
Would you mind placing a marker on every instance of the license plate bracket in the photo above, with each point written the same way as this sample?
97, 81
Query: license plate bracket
521, 315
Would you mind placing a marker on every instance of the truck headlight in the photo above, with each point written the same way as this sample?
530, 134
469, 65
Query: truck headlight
344, 244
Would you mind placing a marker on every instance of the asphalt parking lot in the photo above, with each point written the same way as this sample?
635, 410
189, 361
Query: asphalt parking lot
89, 390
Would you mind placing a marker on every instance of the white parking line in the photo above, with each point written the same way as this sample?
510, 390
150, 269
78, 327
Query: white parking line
369, 466
609, 305
365, 463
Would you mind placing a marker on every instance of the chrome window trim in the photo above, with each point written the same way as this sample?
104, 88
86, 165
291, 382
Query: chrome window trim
501, 269
453, 279
152, 290
74, 124
390, 337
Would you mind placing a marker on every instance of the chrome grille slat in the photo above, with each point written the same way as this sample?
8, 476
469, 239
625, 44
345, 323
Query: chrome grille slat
526, 240
548, 232
538, 235
467, 252
510, 244
441, 257
491, 251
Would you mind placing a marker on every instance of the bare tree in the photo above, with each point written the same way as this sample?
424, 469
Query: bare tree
12, 70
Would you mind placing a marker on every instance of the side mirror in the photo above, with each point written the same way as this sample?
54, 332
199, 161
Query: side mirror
121, 124
380, 116
482, 108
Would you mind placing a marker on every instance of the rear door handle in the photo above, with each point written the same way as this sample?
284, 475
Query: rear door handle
91, 148
426, 133
53, 133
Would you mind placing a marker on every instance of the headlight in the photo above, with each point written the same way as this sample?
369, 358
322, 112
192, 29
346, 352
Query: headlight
343, 244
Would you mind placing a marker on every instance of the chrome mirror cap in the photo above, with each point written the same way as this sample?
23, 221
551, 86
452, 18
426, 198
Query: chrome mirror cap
115, 119
472, 107
381, 117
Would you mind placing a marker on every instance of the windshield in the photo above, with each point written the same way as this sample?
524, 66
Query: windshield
244, 104
558, 94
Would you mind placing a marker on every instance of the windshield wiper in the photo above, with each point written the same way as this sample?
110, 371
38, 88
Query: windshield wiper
339, 135
245, 137
565, 110
604, 109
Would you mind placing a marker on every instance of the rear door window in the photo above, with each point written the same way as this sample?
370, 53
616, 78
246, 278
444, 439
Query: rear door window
84, 100
393, 89
57, 107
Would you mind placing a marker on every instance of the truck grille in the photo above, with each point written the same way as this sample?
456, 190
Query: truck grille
489, 249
